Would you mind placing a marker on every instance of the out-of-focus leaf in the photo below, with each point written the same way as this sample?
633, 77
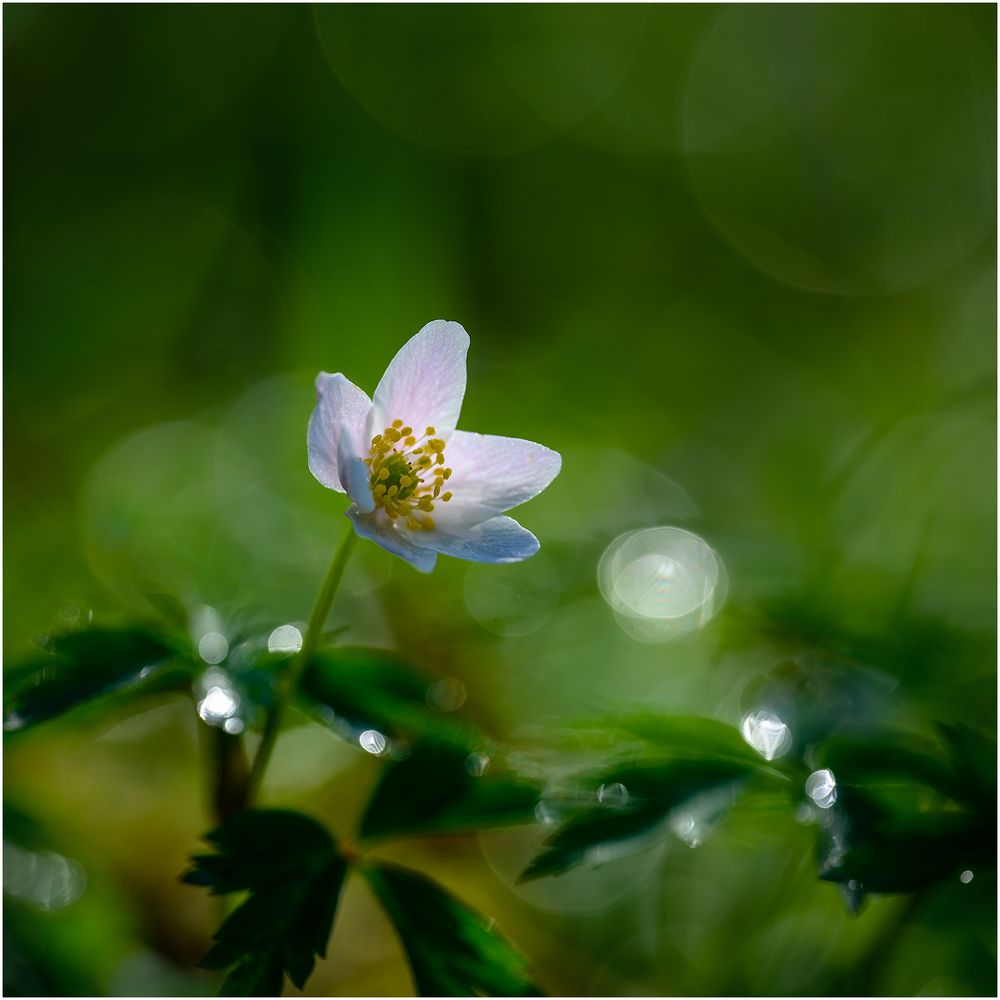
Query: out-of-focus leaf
442, 787
901, 820
867, 758
371, 689
649, 792
79, 666
689, 737
294, 874
452, 950
867, 847
974, 757
170, 609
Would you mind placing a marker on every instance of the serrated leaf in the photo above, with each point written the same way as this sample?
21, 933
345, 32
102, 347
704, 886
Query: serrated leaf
294, 874
653, 790
78, 667
451, 949
371, 689
867, 757
897, 824
445, 787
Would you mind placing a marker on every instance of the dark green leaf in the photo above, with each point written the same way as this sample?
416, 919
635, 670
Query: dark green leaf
452, 950
888, 858
80, 666
974, 757
369, 689
896, 825
294, 874
446, 787
872, 757
653, 790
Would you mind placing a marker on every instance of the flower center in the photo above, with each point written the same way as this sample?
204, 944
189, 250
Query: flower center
407, 474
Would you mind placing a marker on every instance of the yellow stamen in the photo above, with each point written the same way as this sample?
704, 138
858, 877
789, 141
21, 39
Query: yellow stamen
406, 474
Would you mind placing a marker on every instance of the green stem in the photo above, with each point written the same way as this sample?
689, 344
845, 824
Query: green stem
289, 681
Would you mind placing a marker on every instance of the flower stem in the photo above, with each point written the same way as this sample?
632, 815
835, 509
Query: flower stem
289, 681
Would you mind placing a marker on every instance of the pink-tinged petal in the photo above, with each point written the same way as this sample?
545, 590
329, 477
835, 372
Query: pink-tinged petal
495, 473
425, 382
498, 540
338, 401
354, 474
379, 529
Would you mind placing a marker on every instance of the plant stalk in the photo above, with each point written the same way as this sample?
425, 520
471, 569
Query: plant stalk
289, 681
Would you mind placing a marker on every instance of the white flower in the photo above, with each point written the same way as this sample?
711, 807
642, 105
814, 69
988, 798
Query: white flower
419, 486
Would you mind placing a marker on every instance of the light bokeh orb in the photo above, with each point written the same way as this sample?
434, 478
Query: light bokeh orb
661, 582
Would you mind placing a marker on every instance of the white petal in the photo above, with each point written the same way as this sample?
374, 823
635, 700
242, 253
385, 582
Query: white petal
425, 382
338, 401
379, 529
495, 473
354, 474
498, 540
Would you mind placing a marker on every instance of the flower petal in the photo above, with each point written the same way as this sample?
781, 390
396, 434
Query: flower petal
354, 474
379, 529
495, 473
338, 401
498, 540
425, 382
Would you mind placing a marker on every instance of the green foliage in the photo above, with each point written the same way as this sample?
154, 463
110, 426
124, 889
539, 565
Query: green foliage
974, 758
443, 787
653, 789
691, 737
77, 667
294, 875
906, 815
452, 950
370, 689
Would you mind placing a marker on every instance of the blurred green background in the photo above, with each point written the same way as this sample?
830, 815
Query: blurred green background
737, 264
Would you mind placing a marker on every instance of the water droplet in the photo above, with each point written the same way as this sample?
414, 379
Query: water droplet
476, 764
545, 814
13, 722
284, 639
821, 787
966, 877
614, 795
218, 705
767, 734
372, 741
687, 829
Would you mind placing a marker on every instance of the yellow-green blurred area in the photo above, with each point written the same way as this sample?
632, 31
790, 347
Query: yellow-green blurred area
735, 263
